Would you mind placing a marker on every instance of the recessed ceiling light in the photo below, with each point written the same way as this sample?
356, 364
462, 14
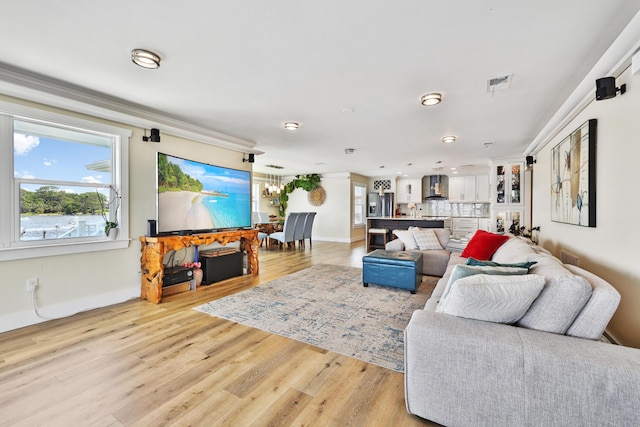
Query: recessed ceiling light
449, 139
291, 125
145, 58
431, 98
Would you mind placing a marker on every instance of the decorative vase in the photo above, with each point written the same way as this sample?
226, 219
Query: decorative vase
113, 234
197, 276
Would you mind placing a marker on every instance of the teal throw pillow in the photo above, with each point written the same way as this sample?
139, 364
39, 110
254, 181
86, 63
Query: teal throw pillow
524, 264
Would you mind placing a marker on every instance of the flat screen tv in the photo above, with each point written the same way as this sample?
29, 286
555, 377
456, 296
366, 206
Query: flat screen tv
196, 197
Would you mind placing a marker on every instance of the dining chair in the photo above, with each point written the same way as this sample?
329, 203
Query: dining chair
287, 233
298, 234
260, 218
308, 225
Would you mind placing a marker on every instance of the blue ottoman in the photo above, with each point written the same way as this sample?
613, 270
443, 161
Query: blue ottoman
392, 268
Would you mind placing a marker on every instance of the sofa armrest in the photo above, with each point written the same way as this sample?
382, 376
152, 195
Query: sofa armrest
394, 245
503, 375
463, 372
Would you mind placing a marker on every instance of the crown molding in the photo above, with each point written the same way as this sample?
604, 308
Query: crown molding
613, 62
29, 86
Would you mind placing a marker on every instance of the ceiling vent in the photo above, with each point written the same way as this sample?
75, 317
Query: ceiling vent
499, 83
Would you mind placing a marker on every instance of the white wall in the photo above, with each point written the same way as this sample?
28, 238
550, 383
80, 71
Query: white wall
609, 250
70, 283
332, 221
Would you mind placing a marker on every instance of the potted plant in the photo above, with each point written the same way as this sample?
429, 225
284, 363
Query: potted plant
110, 221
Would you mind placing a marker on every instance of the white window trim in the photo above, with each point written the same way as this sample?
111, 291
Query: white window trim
364, 206
8, 251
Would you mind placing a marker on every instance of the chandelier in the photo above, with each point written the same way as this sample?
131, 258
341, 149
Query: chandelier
274, 185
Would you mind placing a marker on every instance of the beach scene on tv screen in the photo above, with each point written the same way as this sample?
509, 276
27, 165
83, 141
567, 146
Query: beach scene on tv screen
199, 196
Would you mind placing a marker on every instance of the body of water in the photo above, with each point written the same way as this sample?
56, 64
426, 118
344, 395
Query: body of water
39, 227
229, 212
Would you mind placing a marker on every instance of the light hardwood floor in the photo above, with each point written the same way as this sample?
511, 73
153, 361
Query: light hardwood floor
141, 364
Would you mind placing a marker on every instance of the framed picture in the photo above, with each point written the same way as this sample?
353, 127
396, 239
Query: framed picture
276, 201
573, 177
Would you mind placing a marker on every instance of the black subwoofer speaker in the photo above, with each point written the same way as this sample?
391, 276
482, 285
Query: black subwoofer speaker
222, 267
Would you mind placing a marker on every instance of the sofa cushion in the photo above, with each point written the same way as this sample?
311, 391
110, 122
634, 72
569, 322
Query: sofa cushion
558, 304
597, 312
443, 235
461, 270
406, 236
523, 264
502, 299
456, 245
483, 244
435, 262
514, 250
394, 245
426, 239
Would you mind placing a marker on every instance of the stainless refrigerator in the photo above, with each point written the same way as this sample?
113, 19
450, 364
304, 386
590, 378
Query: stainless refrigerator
380, 205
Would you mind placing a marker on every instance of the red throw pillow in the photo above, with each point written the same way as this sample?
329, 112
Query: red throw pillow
483, 245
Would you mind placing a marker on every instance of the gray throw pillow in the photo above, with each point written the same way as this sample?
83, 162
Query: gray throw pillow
501, 299
559, 303
462, 270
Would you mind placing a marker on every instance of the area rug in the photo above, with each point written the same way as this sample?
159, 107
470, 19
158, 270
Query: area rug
327, 306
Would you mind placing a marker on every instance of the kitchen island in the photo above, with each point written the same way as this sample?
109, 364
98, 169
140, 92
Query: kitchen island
397, 223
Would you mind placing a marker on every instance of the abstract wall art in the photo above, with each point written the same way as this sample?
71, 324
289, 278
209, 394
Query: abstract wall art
573, 177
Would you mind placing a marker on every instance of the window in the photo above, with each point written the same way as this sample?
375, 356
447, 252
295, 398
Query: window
63, 179
359, 204
255, 194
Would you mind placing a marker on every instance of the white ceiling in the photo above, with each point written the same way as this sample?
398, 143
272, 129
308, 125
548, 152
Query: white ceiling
243, 68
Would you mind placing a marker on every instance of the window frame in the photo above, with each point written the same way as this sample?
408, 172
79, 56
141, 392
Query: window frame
363, 210
11, 248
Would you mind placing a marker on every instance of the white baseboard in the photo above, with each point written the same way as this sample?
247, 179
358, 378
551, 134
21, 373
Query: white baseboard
21, 319
331, 239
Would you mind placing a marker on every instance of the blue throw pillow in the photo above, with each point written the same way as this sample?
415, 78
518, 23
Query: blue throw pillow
524, 264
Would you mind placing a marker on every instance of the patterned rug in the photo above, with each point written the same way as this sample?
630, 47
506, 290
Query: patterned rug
327, 306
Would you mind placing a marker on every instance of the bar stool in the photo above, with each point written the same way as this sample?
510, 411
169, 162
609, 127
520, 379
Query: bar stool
373, 233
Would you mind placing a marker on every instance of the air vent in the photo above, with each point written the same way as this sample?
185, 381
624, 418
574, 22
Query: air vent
499, 83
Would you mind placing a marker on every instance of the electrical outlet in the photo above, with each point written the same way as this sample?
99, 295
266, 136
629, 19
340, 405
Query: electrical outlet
32, 284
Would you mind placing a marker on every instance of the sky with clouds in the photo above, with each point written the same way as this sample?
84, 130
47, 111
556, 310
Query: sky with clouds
50, 159
215, 178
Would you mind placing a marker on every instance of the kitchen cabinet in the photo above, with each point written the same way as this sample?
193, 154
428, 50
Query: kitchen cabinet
463, 227
469, 189
509, 184
509, 220
483, 189
409, 190
484, 224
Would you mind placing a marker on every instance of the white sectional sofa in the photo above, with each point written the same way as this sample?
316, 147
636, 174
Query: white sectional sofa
548, 368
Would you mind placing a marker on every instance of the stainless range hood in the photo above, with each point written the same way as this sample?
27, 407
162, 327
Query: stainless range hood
435, 187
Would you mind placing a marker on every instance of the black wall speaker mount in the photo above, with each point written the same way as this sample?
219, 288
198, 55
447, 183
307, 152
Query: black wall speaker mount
606, 88
250, 158
155, 135
530, 161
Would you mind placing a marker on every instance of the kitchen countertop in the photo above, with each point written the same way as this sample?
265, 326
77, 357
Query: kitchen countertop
424, 218
405, 218
455, 216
